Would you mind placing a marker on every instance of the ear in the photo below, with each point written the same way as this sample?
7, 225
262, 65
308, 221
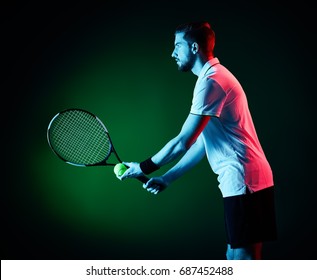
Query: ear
195, 48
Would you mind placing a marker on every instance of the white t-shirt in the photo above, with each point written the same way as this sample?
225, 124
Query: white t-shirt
231, 142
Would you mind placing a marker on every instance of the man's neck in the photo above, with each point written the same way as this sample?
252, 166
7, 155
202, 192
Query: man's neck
199, 64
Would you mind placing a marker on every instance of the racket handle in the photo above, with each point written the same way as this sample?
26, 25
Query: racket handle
143, 179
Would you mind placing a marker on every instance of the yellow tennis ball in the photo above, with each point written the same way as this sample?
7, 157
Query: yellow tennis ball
119, 169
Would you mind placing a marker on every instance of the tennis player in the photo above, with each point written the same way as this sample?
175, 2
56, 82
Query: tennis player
220, 127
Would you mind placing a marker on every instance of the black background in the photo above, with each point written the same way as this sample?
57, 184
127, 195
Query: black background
285, 113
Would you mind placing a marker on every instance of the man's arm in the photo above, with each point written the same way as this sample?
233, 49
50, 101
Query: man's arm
176, 147
192, 157
190, 131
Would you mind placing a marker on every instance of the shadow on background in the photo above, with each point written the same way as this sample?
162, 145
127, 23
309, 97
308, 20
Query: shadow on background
116, 63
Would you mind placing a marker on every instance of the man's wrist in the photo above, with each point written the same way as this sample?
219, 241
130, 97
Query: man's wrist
148, 166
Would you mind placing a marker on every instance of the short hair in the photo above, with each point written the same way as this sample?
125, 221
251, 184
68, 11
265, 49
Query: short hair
199, 32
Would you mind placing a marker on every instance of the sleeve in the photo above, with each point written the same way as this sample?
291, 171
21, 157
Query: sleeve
209, 98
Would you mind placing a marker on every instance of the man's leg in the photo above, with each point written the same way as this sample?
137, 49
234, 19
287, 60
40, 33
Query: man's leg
257, 251
252, 252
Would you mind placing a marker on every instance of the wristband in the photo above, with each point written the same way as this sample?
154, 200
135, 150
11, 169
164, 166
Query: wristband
148, 166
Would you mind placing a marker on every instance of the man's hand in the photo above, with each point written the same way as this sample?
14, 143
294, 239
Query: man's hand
155, 185
133, 170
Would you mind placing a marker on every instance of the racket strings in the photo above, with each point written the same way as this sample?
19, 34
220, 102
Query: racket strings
78, 137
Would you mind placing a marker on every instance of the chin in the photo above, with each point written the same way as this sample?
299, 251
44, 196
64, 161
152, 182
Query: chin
184, 68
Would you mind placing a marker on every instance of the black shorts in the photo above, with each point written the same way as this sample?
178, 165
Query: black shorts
250, 218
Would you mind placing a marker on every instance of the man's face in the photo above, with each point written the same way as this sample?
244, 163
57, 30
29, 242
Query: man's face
182, 53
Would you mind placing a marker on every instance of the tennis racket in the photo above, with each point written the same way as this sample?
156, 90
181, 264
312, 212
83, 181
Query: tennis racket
79, 138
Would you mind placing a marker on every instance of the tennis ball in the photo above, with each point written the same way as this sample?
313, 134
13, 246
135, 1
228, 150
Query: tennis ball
119, 169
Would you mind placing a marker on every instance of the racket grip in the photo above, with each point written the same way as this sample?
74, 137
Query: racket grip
143, 179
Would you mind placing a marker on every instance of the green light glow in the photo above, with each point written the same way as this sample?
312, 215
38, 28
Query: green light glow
117, 64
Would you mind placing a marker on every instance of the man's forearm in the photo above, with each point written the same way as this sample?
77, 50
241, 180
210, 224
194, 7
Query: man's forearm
191, 129
171, 151
192, 157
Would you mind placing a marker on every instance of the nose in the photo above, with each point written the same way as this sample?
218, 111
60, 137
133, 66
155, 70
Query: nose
174, 55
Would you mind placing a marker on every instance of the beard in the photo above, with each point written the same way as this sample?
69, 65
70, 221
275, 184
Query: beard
187, 66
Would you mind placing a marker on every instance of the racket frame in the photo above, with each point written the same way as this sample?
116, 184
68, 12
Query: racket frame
100, 163
103, 162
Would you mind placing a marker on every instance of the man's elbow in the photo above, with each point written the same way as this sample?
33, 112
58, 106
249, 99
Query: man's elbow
180, 145
185, 144
189, 143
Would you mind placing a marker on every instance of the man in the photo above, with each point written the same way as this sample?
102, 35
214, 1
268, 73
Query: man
219, 126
